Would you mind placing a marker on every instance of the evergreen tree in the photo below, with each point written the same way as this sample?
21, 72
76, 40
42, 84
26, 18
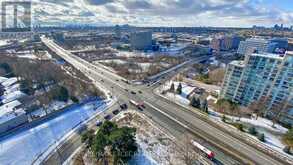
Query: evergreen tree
172, 88
179, 89
195, 102
120, 141
204, 105
261, 137
63, 94
252, 130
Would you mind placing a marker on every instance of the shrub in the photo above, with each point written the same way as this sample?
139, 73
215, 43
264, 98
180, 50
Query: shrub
261, 137
240, 127
252, 130
224, 118
74, 99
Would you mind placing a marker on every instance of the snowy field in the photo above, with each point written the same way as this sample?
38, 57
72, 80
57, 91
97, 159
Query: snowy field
26, 146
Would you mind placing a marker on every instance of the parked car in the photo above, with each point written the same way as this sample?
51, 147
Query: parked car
123, 106
107, 117
99, 123
116, 112
132, 92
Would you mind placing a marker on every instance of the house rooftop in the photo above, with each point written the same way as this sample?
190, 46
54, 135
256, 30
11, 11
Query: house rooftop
9, 111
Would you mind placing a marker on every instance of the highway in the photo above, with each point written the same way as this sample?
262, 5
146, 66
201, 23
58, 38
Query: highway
176, 118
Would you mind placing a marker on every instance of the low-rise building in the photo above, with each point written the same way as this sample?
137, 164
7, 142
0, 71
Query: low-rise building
252, 45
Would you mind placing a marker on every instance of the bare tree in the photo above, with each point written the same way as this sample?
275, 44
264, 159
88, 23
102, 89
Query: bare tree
259, 107
187, 152
277, 110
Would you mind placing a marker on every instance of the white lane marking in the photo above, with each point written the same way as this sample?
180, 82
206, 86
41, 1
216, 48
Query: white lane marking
172, 118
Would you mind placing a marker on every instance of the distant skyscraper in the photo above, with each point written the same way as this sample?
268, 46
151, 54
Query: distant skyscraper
261, 76
141, 40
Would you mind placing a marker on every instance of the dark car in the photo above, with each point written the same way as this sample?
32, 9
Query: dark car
132, 92
140, 108
123, 106
116, 112
140, 92
107, 117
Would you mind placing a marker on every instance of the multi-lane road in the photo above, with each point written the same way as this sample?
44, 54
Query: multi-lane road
177, 119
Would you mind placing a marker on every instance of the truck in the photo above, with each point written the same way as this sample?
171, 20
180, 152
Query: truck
203, 149
140, 106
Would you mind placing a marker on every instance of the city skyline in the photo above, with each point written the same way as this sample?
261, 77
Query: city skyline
220, 13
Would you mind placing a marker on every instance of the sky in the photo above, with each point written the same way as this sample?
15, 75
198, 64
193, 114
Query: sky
218, 13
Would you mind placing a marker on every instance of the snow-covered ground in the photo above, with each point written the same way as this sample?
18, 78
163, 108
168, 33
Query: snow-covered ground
4, 42
156, 145
143, 65
26, 146
28, 56
273, 135
53, 106
186, 90
2, 79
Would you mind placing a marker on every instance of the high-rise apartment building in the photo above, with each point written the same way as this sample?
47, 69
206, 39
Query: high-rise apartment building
268, 76
255, 44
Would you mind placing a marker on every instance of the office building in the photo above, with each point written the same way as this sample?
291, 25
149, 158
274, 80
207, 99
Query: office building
256, 45
259, 76
141, 40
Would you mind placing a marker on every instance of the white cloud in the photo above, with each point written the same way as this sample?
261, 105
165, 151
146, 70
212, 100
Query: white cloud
159, 12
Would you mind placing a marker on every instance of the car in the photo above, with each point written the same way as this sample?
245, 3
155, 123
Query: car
107, 117
126, 90
140, 92
117, 80
123, 106
132, 92
140, 108
99, 123
116, 112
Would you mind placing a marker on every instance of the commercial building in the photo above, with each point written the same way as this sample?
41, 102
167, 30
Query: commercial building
259, 76
255, 44
141, 40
